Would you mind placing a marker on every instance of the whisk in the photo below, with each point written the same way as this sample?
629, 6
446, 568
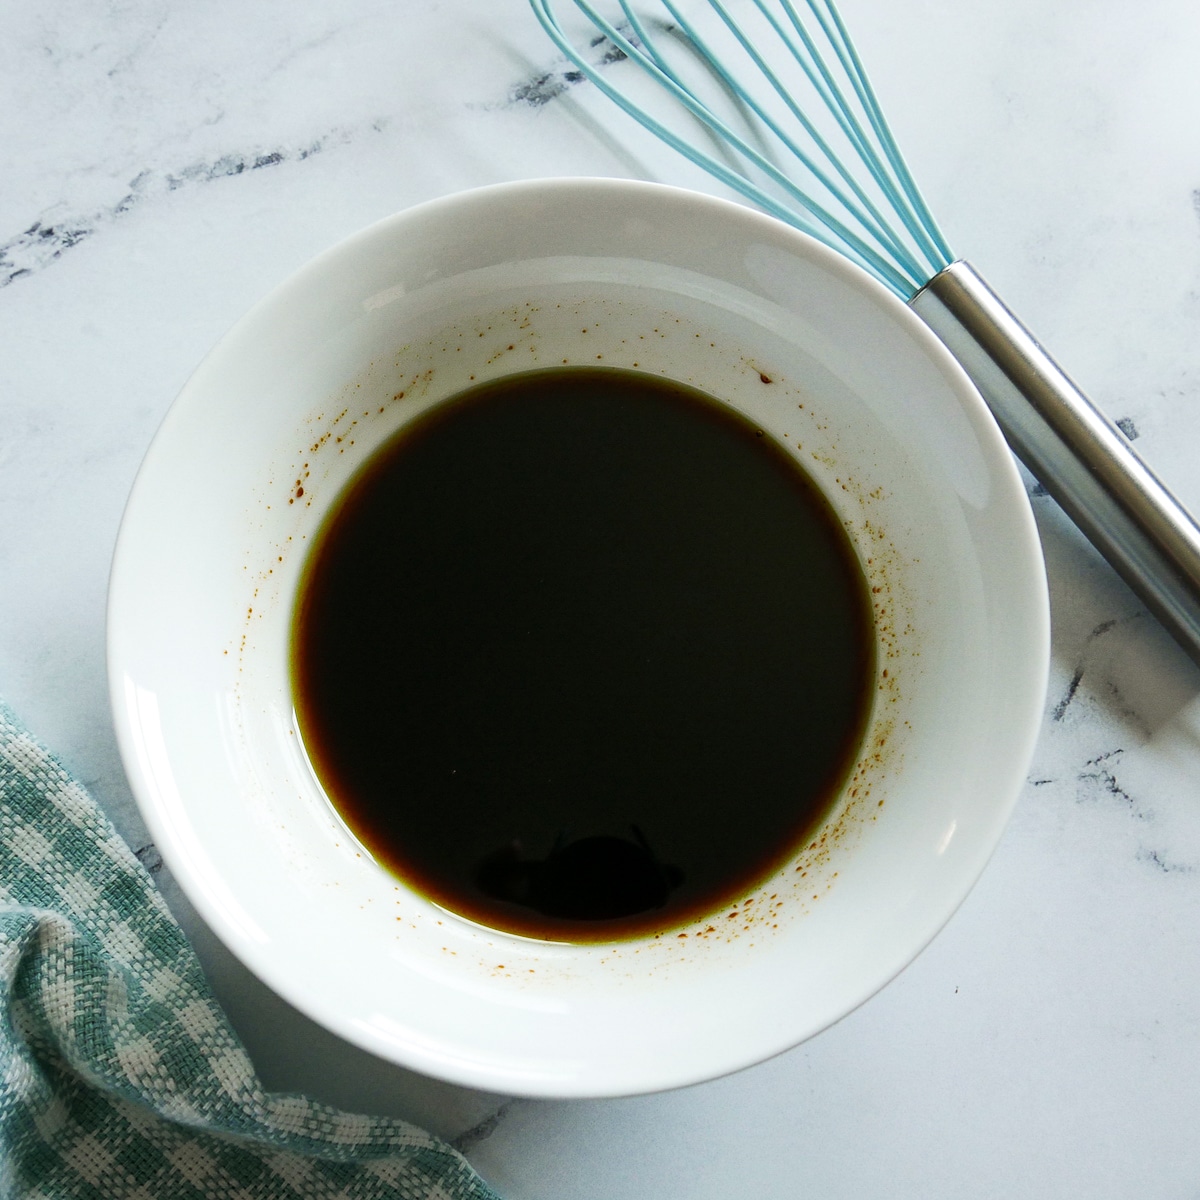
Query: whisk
773, 101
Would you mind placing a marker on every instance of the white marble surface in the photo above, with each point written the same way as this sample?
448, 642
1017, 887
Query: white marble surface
164, 165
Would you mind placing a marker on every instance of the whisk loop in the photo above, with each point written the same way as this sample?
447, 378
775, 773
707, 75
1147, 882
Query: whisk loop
794, 126
902, 251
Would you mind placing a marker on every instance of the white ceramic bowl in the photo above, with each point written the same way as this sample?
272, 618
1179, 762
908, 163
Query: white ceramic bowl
293, 400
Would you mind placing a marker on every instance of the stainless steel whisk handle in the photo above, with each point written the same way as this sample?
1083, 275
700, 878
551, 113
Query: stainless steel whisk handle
1081, 458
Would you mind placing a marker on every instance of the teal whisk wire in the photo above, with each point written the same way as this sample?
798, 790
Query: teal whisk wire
844, 216
898, 185
876, 225
825, 227
803, 95
920, 220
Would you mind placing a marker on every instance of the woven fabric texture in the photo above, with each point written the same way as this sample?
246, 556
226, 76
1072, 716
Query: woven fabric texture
120, 1078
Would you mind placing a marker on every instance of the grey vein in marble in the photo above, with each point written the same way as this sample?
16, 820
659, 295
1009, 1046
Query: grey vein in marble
46, 241
545, 87
1166, 865
483, 1130
149, 857
1060, 709
1101, 773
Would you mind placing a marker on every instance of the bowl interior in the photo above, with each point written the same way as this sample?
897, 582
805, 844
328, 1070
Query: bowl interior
410, 312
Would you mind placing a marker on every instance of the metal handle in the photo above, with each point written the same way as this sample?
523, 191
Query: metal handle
1081, 458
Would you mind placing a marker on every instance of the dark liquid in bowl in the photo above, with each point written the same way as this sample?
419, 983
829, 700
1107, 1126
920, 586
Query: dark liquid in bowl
582, 655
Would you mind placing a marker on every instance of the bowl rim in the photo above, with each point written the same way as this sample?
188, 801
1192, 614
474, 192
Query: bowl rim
181, 864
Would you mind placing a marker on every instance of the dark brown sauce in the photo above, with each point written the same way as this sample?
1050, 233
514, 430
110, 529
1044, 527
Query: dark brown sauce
583, 655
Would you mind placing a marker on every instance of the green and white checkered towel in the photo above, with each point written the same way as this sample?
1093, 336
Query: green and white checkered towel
120, 1078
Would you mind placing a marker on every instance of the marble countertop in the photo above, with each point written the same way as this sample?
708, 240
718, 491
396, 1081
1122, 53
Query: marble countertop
165, 165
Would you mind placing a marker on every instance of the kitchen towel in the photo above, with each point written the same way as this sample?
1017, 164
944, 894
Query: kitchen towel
120, 1078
